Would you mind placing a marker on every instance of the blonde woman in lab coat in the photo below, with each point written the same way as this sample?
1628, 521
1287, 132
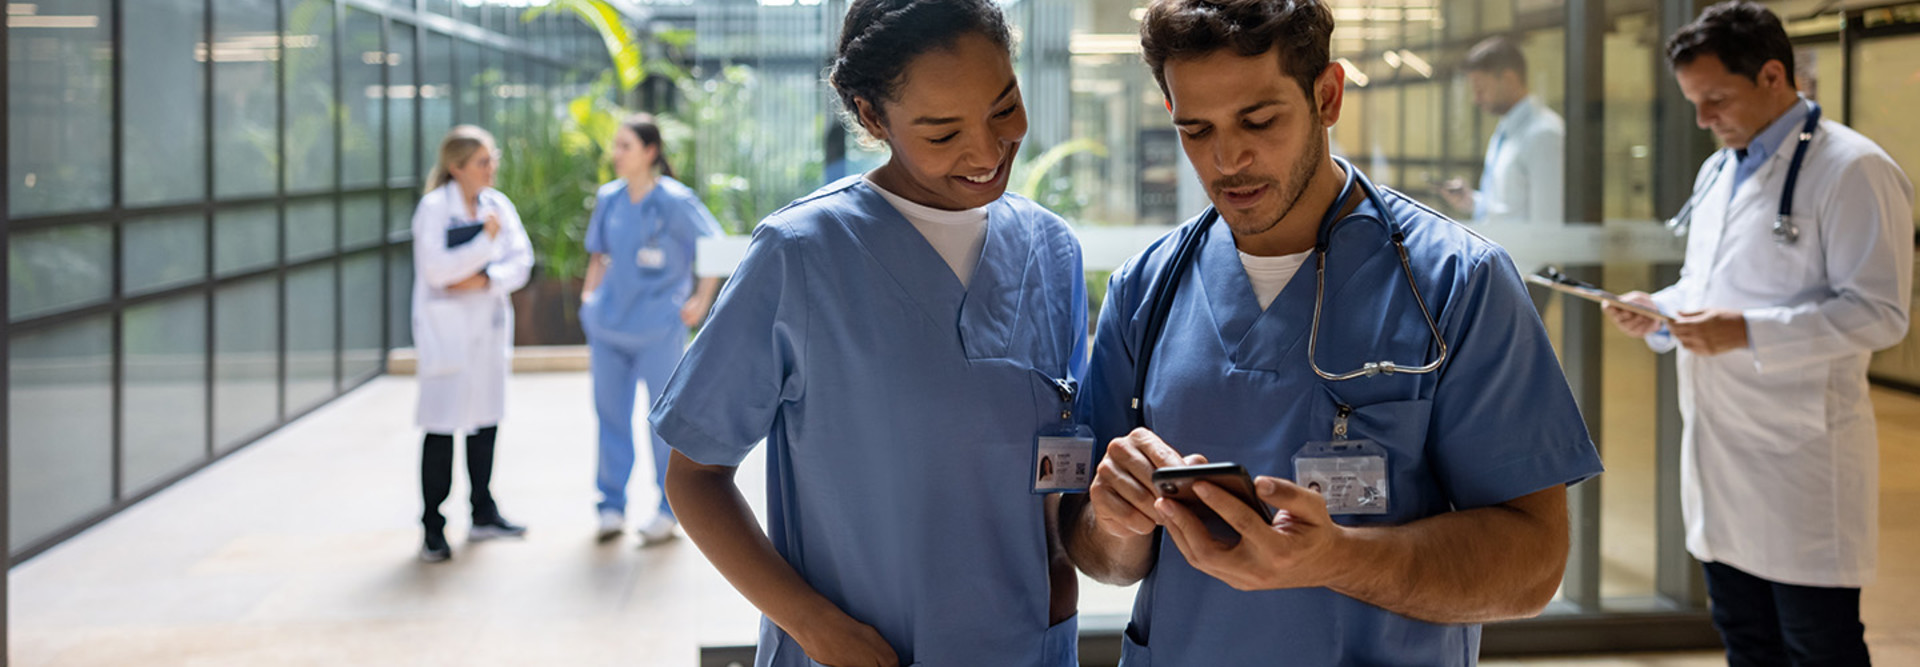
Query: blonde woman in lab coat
469, 252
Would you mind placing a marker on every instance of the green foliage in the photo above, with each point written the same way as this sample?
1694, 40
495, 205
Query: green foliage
551, 178
718, 172
552, 169
1056, 193
606, 22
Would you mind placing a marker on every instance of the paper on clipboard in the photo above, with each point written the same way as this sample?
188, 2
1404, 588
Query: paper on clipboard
1598, 295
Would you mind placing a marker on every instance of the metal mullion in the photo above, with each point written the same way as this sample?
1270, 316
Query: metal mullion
280, 99
66, 317
339, 182
117, 227
6, 342
111, 304
357, 248
419, 109
1400, 101
1850, 34
1892, 30
386, 178
453, 82
208, 300
41, 222
91, 217
480, 87
1585, 122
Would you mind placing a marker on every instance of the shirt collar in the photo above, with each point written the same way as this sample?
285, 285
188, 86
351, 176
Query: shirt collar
1521, 112
1769, 139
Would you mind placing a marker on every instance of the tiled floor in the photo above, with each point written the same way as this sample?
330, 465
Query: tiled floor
300, 551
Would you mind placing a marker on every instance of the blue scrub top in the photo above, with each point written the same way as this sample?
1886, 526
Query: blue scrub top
635, 303
900, 411
1230, 381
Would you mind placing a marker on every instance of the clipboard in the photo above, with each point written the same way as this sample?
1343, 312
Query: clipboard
1561, 283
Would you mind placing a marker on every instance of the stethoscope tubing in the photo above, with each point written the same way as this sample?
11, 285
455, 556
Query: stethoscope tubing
1187, 245
1784, 231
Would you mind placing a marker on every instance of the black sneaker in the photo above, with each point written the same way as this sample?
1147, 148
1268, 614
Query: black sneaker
435, 549
498, 528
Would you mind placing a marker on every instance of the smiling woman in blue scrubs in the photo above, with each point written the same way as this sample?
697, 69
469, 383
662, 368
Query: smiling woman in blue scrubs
638, 302
899, 339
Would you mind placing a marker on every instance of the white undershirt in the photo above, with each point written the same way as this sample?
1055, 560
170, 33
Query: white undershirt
957, 235
1270, 274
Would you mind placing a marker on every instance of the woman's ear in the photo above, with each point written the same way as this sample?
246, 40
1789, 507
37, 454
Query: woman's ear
870, 119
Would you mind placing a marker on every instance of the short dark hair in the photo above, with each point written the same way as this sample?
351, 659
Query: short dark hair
1495, 55
1744, 35
880, 37
1298, 30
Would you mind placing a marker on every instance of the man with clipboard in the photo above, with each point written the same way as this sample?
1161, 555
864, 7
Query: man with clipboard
1781, 302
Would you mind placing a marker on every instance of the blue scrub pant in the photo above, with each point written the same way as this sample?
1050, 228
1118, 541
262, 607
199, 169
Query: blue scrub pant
617, 371
1766, 623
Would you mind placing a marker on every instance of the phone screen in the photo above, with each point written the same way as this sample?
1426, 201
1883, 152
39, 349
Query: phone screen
1176, 482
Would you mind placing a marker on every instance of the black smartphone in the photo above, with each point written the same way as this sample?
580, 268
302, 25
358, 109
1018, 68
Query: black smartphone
1176, 482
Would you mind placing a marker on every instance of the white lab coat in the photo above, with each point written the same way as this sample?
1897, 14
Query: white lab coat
464, 340
1779, 459
1523, 176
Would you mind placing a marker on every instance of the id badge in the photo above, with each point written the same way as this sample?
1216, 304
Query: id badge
651, 257
1351, 474
1063, 459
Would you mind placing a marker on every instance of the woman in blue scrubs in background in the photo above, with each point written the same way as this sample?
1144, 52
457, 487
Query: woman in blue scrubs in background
898, 339
638, 302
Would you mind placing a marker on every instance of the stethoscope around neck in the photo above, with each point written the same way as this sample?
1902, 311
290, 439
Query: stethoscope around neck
1784, 231
1193, 236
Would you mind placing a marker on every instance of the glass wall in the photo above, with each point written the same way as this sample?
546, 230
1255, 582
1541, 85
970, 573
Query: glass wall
1859, 65
227, 247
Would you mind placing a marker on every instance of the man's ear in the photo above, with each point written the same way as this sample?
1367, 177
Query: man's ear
870, 118
1329, 93
1774, 71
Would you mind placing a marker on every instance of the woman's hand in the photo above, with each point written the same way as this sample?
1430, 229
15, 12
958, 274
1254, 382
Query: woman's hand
474, 282
695, 310
492, 225
845, 642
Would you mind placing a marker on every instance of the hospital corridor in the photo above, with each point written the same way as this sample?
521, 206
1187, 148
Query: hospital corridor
959, 333
299, 551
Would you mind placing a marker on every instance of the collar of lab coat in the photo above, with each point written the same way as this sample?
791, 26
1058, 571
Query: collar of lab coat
1517, 117
1768, 141
450, 194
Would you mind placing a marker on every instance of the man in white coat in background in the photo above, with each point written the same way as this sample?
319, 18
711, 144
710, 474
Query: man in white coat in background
1523, 178
1776, 319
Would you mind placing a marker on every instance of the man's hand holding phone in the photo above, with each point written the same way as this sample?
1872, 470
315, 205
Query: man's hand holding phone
1122, 497
1302, 547
1456, 192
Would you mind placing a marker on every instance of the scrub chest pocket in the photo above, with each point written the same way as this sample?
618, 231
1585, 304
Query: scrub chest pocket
1395, 429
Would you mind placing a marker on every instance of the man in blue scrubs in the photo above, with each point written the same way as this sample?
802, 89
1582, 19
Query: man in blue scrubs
1445, 481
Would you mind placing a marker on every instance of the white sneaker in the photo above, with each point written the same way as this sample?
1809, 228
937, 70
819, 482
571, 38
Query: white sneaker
611, 525
658, 531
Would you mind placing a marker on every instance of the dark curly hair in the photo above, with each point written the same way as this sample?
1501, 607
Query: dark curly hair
1299, 31
881, 37
1743, 35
